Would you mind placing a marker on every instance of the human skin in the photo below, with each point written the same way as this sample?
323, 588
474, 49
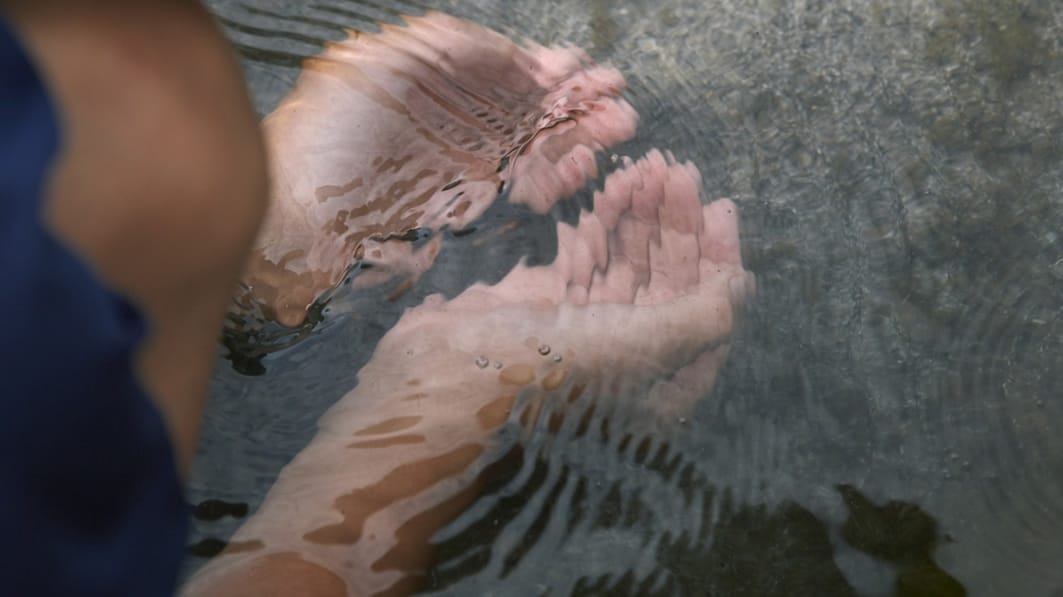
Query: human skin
640, 302
158, 191
418, 126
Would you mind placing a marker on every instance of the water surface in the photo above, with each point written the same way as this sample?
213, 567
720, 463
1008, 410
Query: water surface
898, 170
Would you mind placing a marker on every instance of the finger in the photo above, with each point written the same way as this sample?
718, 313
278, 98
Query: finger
648, 196
719, 237
615, 197
681, 208
617, 284
675, 263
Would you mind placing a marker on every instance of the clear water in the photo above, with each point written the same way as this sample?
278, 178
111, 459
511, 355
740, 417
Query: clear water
899, 171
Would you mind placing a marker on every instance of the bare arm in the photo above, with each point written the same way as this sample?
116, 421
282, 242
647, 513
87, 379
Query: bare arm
160, 184
402, 454
394, 461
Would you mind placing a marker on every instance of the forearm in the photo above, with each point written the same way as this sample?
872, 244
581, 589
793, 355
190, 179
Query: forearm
394, 461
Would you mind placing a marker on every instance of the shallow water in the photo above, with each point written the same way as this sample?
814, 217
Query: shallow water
898, 170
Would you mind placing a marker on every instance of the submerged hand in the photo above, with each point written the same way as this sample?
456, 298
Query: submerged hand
640, 302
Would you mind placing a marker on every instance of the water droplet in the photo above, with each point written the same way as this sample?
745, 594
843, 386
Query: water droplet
498, 364
481, 361
557, 358
544, 349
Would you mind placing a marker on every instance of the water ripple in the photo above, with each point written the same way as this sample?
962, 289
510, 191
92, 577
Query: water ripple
897, 166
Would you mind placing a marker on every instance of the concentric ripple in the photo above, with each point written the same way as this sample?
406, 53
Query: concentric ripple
890, 412
998, 423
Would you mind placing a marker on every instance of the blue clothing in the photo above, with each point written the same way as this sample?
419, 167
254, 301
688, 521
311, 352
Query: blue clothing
89, 497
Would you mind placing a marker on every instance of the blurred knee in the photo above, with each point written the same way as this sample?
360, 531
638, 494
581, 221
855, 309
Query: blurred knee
162, 164
160, 182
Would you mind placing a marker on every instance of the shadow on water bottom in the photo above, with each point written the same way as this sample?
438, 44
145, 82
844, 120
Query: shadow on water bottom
750, 550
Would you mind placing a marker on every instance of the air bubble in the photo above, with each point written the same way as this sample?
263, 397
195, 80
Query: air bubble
557, 358
481, 361
544, 349
498, 364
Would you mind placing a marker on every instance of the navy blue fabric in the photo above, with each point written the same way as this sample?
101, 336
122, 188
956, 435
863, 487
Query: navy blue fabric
89, 497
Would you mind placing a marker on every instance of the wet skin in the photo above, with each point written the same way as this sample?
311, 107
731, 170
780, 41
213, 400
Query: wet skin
641, 301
